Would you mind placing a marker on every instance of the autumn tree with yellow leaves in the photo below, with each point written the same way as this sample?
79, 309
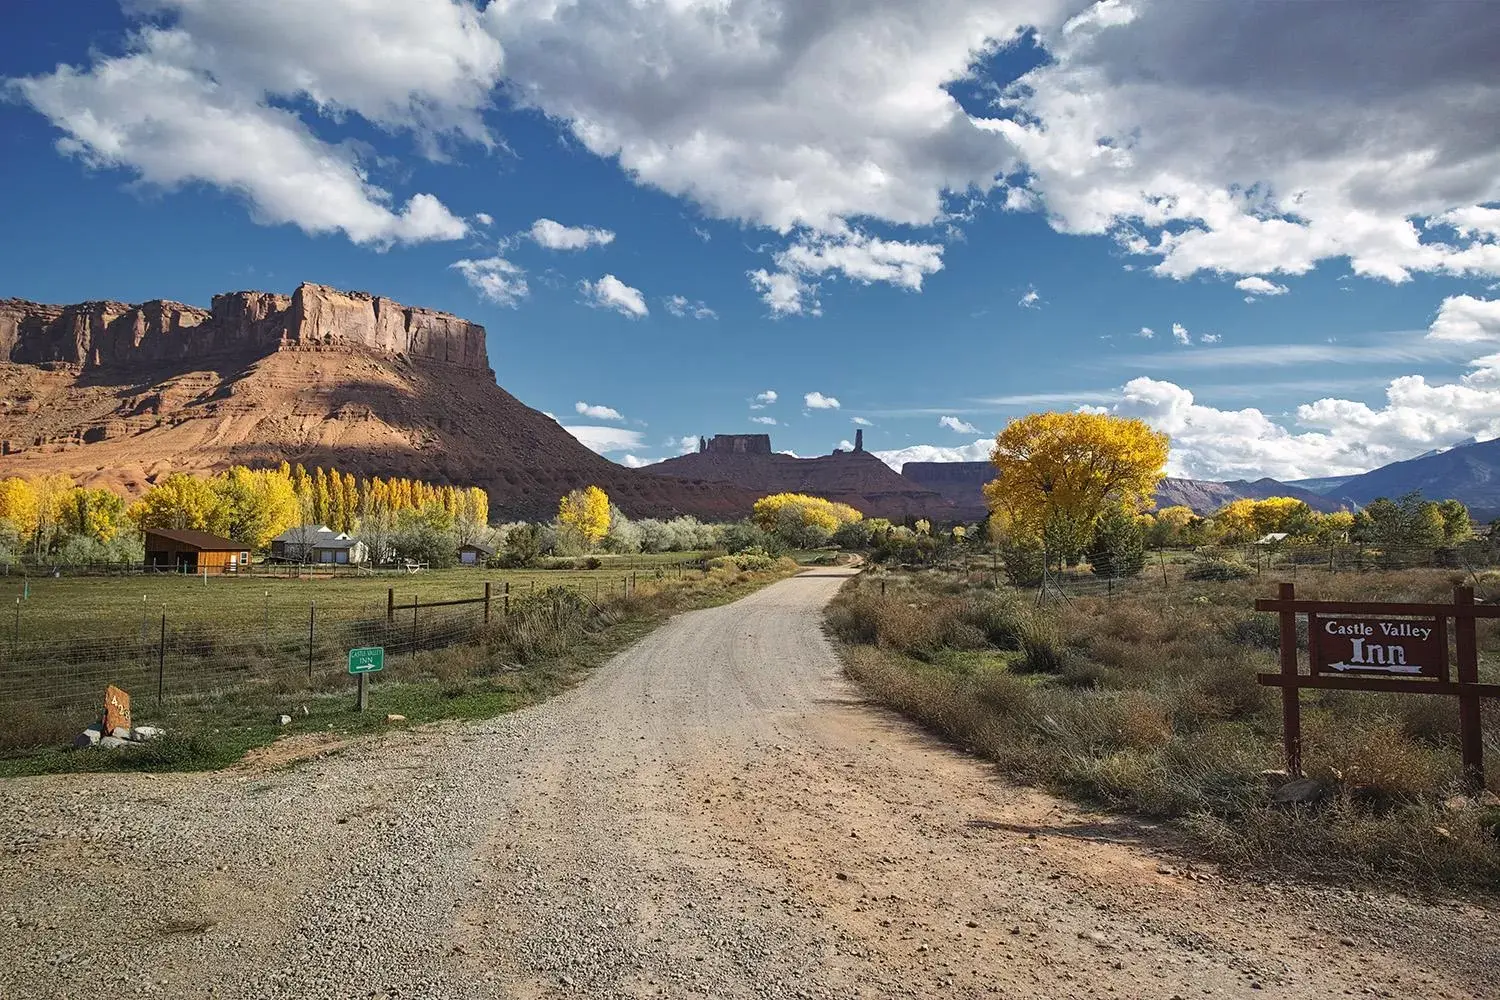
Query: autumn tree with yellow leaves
583, 518
1060, 473
250, 506
802, 521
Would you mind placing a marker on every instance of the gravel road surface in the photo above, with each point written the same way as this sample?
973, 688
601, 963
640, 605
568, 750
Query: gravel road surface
715, 813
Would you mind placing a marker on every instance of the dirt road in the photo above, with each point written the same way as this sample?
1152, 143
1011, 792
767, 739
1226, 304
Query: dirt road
714, 813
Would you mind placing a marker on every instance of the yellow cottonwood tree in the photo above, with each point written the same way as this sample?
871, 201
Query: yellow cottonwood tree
18, 505
180, 501
585, 512
1059, 473
813, 511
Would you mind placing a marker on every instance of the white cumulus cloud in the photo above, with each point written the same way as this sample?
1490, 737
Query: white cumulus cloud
683, 308
856, 256
1031, 300
818, 401
495, 278
231, 94
761, 400
978, 451
1466, 319
861, 421
1255, 285
1180, 334
556, 236
610, 292
634, 462
1255, 158
960, 426
595, 412
605, 440
768, 421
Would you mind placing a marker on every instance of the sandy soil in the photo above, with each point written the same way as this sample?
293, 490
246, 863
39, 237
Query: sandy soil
715, 813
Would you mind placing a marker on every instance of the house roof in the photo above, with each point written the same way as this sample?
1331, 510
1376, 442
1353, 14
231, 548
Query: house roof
305, 533
1272, 538
477, 548
198, 540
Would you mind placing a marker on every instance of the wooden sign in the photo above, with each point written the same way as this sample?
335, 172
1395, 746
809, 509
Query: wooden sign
1390, 646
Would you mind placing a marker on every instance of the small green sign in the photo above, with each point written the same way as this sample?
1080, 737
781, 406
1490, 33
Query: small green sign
367, 660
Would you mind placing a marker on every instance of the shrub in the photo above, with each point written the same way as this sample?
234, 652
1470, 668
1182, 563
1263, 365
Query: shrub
1261, 630
1000, 619
1219, 570
1118, 549
1024, 563
1042, 646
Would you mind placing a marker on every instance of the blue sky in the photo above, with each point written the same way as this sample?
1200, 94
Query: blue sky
967, 210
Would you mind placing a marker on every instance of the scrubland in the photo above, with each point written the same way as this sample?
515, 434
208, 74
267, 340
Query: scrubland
1146, 702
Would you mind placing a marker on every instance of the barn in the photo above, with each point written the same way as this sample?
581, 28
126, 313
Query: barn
193, 552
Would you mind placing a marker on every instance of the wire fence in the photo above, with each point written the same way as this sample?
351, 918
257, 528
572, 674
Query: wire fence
1170, 569
246, 652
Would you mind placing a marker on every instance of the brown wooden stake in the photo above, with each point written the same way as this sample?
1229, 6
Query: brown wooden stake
486, 602
390, 604
1291, 705
1471, 737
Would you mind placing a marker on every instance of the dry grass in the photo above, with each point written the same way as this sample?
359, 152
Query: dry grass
1148, 703
547, 641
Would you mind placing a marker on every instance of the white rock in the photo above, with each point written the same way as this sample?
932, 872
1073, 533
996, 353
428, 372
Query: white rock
120, 733
144, 733
112, 743
88, 738
285, 720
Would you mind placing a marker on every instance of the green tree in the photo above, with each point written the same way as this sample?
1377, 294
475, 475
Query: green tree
1457, 525
1118, 549
1410, 522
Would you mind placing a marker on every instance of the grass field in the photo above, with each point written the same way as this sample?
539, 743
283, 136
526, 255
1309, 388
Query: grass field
1147, 702
224, 699
93, 607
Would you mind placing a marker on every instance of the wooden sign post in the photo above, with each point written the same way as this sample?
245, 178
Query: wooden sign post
1396, 648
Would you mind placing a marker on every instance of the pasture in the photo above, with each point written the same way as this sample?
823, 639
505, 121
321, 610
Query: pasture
90, 608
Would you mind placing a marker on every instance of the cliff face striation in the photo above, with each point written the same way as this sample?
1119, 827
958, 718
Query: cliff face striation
240, 325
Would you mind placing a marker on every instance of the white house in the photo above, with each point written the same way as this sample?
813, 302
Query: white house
318, 543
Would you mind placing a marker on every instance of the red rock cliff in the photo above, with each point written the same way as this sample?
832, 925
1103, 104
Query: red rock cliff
245, 324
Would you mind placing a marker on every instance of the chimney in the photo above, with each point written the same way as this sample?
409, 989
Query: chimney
859, 440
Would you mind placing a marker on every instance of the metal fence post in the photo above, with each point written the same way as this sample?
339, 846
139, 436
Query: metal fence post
505, 601
312, 612
414, 603
161, 662
486, 602
390, 604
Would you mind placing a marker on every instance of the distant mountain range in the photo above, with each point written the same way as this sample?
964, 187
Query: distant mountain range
1468, 472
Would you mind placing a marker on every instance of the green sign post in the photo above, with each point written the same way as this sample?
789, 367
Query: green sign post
362, 661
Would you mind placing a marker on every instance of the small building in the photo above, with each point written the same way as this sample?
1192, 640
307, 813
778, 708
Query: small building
1274, 538
184, 551
473, 554
318, 543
